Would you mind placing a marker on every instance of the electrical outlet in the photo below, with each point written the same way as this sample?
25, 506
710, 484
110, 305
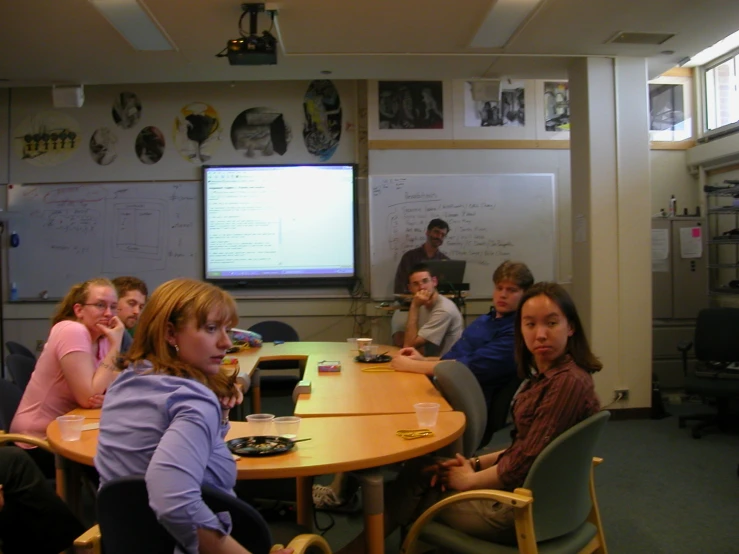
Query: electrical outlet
39, 345
621, 394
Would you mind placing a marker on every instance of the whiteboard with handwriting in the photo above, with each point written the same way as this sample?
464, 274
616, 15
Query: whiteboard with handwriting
492, 218
71, 233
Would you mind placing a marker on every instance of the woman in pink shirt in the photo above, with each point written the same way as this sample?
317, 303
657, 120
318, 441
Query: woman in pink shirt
77, 365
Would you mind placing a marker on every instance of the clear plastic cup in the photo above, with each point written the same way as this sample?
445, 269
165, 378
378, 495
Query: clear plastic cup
70, 427
426, 413
287, 426
364, 346
352, 343
260, 424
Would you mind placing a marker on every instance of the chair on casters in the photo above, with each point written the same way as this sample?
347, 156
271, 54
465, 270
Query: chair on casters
555, 510
278, 331
127, 524
20, 368
716, 347
18, 348
459, 386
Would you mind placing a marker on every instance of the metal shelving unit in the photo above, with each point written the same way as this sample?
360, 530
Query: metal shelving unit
722, 205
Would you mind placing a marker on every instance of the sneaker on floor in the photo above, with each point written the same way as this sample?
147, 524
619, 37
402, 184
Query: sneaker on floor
325, 498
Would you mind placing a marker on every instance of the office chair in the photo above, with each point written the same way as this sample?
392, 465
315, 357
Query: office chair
499, 408
18, 348
20, 368
127, 524
271, 331
555, 510
459, 386
716, 347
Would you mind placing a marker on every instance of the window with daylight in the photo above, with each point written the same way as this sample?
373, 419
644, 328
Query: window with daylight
722, 96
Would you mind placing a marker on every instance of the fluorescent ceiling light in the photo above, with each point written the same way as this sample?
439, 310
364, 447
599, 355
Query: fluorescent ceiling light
502, 21
135, 22
717, 50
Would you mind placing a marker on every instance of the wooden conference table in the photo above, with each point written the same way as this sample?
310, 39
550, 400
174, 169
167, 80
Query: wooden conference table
363, 441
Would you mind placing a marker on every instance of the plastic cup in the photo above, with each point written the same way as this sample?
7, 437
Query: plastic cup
371, 353
70, 427
260, 424
352, 343
426, 413
364, 346
287, 426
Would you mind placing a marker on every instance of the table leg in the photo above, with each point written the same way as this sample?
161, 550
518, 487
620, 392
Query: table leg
304, 501
374, 517
70, 490
256, 393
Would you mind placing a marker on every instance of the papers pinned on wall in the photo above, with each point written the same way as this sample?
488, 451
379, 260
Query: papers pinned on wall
691, 242
660, 250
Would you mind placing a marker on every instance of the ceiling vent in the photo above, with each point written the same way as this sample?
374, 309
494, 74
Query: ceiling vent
640, 38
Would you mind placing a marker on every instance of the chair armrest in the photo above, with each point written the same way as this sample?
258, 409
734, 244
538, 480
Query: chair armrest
302, 543
520, 498
26, 439
89, 542
597, 461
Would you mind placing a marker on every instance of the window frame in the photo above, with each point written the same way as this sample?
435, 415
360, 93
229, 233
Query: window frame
702, 94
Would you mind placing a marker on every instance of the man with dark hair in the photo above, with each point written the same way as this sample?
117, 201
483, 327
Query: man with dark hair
436, 232
486, 346
132, 293
434, 322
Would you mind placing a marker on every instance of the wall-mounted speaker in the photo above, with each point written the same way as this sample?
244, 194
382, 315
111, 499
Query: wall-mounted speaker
68, 96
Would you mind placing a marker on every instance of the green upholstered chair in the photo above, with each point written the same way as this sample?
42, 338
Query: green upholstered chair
459, 386
555, 510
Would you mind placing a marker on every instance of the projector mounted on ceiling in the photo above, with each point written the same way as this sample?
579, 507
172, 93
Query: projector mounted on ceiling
252, 49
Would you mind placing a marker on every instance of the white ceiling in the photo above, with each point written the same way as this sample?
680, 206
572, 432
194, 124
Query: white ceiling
68, 42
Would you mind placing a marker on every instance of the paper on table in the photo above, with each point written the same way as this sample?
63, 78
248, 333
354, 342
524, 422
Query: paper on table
691, 242
91, 426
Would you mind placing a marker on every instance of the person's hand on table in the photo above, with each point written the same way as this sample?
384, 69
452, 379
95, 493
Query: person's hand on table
402, 363
460, 476
409, 352
96, 401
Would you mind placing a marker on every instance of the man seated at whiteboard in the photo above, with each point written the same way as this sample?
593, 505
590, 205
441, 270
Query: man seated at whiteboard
486, 346
436, 232
132, 293
434, 322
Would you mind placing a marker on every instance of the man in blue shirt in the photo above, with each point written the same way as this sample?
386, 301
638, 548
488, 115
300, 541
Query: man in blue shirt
486, 346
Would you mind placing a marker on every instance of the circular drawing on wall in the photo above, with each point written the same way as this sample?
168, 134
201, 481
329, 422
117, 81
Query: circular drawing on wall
47, 138
322, 127
260, 131
102, 146
197, 132
150, 145
126, 110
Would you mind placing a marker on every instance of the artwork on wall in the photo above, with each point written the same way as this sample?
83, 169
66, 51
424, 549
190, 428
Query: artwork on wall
126, 110
197, 132
150, 145
103, 146
322, 111
556, 106
509, 110
47, 138
669, 109
260, 131
410, 104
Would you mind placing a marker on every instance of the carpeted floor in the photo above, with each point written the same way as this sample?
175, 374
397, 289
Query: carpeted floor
659, 490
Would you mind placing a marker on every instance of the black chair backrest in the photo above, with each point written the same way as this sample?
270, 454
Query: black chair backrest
127, 523
499, 408
18, 348
716, 332
20, 368
463, 392
275, 330
560, 479
10, 397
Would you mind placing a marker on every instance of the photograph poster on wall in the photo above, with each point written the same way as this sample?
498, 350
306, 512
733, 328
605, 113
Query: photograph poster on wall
556, 106
494, 104
410, 105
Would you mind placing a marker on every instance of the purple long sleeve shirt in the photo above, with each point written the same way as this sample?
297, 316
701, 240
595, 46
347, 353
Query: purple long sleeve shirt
169, 430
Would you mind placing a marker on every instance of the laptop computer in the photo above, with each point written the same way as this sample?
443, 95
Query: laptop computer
449, 273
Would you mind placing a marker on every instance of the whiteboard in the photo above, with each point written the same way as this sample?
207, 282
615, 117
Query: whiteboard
492, 218
70, 233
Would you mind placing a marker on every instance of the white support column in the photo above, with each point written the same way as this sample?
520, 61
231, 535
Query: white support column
611, 284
